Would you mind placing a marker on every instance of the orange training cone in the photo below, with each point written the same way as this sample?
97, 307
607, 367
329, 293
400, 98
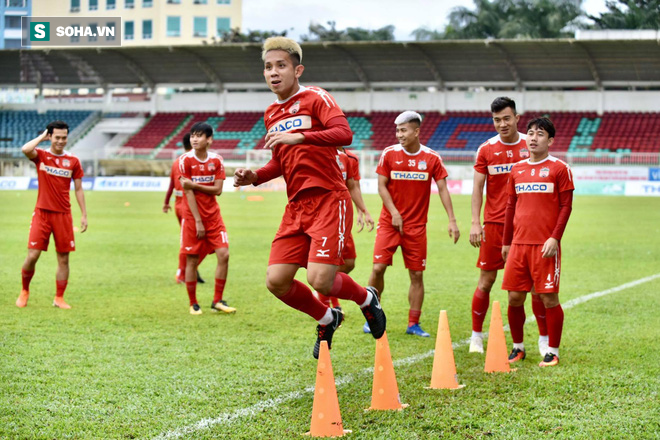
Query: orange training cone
326, 418
385, 391
444, 367
496, 353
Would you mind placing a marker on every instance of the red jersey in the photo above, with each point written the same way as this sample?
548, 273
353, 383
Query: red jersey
55, 174
178, 189
495, 159
537, 186
305, 166
204, 172
349, 164
409, 182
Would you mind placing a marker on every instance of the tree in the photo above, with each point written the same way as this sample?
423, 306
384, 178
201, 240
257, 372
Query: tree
318, 32
235, 36
636, 14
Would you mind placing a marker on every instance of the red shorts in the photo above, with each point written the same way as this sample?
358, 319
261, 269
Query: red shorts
490, 251
412, 242
526, 268
215, 237
60, 224
313, 229
349, 248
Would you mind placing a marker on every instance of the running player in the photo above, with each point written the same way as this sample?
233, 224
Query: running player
404, 173
495, 157
202, 175
305, 126
52, 214
540, 201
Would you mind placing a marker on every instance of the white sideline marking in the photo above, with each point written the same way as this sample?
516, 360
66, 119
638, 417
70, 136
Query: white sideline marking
259, 407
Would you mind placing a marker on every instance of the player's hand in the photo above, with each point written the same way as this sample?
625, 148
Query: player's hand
244, 177
200, 228
43, 136
186, 183
476, 234
360, 221
550, 248
369, 221
453, 231
275, 138
397, 222
83, 223
166, 208
505, 252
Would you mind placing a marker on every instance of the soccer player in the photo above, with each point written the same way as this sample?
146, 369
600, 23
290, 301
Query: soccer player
175, 187
305, 126
52, 214
404, 173
202, 175
495, 157
540, 200
349, 164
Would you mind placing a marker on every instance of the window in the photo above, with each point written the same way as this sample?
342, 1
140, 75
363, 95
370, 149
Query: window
147, 3
173, 26
111, 25
93, 27
110, 4
223, 24
75, 5
224, 2
12, 43
129, 30
173, 2
75, 38
130, 4
199, 27
147, 29
12, 22
93, 5
16, 4
201, 2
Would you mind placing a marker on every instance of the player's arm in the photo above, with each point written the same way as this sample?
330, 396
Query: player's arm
476, 230
509, 214
213, 190
80, 197
397, 220
551, 245
192, 204
270, 171
170, 190
363, 213
443, 191
336, 132
29, 148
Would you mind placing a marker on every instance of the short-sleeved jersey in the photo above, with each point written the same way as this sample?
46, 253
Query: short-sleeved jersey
409, 182
495, 159
55, 174
178, 189
349, 164
203, 173
537, 186
305, 166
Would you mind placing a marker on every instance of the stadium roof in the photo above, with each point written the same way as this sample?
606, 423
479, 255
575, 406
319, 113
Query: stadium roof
566, 63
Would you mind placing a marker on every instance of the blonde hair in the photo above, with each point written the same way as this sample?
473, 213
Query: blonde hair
282, 43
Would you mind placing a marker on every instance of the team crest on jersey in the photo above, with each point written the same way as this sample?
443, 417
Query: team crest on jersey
422, 165
545, 172
524, 153
211, 166
295, 108
66, 163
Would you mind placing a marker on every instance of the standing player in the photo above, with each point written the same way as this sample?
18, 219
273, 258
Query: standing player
305, 125
540, 200
349, 164
404, 173
52, 214
202, 175
175, 187
495, 158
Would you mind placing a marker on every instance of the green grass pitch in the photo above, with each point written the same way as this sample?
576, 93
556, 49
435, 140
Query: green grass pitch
128, 361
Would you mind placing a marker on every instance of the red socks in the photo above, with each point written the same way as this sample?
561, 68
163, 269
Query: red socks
345, 287
335, 302
300, 297
517, 323
182, 265
26, 276
480, 303
219, 289
555, 318
327, 300
191, 287
539, 312
413, 317
61, 287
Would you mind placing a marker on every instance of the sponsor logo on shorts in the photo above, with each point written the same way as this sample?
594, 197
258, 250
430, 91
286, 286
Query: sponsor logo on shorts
409, 175
499, 169
549, 284
33, 243
377, 257
296, 123
323, 253
188, 248
535, 188
482, 263
60, 172
72, 244
203, 179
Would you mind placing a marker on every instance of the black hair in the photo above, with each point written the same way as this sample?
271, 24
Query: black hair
415, 121
186, 142
202, 127
501, 103
542, 123
295, 59
57, 124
